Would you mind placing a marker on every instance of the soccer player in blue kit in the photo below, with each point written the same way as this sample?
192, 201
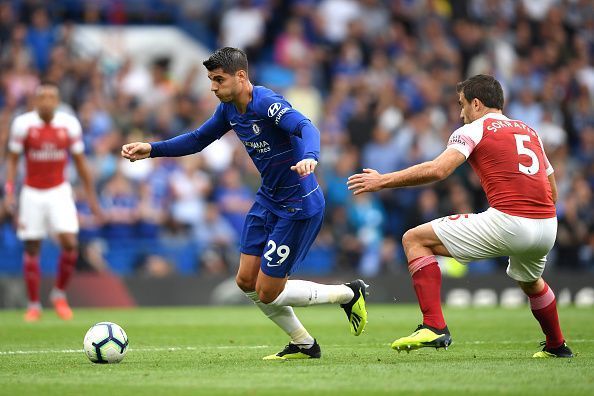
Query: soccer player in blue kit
287, 215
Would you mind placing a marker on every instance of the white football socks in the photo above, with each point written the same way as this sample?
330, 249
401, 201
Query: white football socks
56, 294
285, 318
300, 293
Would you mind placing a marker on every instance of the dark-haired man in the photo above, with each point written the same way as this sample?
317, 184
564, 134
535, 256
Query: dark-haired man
47, 137
521, 222
288, 212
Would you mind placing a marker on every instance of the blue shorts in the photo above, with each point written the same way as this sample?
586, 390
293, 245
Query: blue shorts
282, 243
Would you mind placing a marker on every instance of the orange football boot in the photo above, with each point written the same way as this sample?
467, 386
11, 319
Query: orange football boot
32, 314
62, 308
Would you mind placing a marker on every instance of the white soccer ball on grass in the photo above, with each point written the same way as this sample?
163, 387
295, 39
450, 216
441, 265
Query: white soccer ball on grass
106, 342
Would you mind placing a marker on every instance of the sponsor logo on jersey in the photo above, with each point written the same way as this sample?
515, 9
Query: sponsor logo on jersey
456, 140
279, 115
273, 109
260, 147
47, 155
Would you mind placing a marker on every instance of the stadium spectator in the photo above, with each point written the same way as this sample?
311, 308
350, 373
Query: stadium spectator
520, 223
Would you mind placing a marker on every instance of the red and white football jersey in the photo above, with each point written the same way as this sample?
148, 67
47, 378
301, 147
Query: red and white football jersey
46, 146
510, 161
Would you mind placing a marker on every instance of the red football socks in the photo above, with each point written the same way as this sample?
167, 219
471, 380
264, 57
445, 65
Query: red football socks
426, 277
544, 309
66, 266
32, 276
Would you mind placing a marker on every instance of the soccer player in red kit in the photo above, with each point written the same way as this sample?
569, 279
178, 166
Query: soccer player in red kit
521, 221
47, 137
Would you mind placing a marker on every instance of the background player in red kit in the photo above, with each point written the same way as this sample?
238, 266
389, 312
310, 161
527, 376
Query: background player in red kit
521, 222
47, 137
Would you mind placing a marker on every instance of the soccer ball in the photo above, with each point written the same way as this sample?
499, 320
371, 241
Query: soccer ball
106, 342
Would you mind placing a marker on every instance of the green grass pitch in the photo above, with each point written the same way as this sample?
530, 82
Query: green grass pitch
218, 350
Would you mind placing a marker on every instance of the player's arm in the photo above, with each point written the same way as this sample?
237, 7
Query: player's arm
18, 132
550, 172
553, 184
296, 124
185, 144
427, 172
311, 143
82, 169
9, 193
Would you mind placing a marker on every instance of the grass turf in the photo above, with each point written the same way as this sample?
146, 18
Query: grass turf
218, 350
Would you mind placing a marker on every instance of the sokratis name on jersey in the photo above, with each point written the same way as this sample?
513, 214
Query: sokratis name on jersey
498, 124
261, 146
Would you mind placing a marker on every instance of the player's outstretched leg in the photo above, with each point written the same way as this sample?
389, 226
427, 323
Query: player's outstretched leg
355, 310
285, 318
424, 337
294, 351
350, 296
562, 351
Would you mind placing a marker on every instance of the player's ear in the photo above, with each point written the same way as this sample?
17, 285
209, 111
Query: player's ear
241, 74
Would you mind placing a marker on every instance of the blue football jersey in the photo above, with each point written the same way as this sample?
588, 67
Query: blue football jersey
268, 131
271, 131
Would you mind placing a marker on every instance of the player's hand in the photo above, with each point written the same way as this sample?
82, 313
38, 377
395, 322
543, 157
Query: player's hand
305, 166
97, 211
10, 203
368, 181
136, 151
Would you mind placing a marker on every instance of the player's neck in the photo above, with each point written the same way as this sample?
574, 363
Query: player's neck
486, 111
47, 118
242, 101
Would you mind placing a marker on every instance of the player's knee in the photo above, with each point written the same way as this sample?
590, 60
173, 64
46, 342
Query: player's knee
409, 238
267, 296
245, 284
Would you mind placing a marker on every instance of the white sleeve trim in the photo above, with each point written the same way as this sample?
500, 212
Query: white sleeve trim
465, 138
18, 133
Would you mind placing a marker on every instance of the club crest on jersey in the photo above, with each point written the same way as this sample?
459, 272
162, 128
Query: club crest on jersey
256, 129
273, 109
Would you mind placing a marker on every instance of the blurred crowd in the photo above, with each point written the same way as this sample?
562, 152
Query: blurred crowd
376, 76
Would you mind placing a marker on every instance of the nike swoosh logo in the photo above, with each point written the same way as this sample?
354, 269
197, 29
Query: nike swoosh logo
233, 123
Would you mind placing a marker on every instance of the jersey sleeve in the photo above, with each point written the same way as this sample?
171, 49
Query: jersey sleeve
193, 142
18, 133
293, 122
75, 135
279, 111
465, 138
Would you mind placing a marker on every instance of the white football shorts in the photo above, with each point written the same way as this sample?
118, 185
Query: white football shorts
44, 211
492, 233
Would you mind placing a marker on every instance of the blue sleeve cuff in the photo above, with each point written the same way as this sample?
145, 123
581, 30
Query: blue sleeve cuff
311, 140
